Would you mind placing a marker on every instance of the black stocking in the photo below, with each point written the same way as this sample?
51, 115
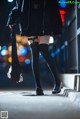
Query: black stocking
35, 62
15, 62
51, 63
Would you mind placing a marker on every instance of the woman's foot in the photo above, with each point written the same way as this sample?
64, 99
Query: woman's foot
39, 91
57, 88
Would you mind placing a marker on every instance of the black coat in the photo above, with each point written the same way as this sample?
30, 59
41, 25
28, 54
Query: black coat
40, 17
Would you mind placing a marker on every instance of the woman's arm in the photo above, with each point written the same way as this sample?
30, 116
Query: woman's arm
15, 13
20, 4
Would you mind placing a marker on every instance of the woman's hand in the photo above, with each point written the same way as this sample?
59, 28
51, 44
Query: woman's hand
22, 39
13, 16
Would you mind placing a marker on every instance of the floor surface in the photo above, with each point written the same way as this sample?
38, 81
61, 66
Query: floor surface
24, 104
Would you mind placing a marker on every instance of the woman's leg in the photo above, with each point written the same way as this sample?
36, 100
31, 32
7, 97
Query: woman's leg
35, 67
16, 69
15, 62
52, 66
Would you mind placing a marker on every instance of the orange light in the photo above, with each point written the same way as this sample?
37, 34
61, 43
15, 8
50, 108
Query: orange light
7, 52
10, 59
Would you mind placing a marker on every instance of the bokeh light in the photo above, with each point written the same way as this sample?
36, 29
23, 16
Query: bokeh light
10, 59
10, 0
23, 51
27, 61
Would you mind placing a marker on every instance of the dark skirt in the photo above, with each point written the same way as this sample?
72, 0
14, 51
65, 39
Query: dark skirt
41, 17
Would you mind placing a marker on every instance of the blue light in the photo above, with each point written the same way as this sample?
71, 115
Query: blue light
40, 55
62, 47
3, 52
58, 51
23, 51
52, 54
63, 3
27, 61
66, 43
10, 0
4, 48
